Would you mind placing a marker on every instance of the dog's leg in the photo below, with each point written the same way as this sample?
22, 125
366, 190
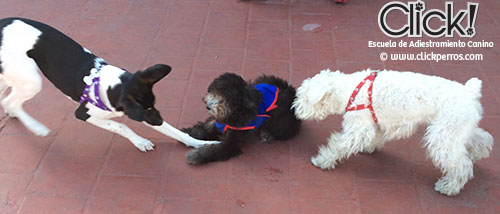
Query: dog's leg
228, 148
25, 88
376, 144
281, 127
121, 129
480, 144
342, 145
172, 132
447, 148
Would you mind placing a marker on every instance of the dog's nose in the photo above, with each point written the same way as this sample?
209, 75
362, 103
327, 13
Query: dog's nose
208, 107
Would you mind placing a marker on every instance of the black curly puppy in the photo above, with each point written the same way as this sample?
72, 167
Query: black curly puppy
238, 108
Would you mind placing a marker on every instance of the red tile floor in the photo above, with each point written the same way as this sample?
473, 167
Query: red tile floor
82, 169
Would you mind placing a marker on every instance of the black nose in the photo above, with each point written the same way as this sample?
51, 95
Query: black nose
208, 108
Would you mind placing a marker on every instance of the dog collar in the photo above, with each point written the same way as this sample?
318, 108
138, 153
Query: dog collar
269, 99
351, 107
95, 72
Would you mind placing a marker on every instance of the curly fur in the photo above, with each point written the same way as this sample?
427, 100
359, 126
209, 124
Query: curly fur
402, 102
232, 100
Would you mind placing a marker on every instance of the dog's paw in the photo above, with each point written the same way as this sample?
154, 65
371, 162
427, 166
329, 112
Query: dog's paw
10, 115
265, 137
194, 157
322, 162
368, 150
194, 132
446, 188
143, 144
188, 131
39, 130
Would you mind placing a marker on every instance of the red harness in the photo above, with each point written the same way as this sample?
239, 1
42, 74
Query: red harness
349, 107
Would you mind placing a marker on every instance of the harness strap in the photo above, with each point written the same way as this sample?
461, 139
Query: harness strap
260, 118
369, 105
273, 105
86, 96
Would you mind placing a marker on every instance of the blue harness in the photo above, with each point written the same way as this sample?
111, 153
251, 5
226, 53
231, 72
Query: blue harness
269, 97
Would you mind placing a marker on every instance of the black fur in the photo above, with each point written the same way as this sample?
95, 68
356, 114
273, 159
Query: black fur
136, 98
242, 99
62, 60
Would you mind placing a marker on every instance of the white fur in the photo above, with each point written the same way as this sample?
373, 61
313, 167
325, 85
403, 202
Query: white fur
87, 50
121, 129
22, 75
402, 101
109, 78
171, 131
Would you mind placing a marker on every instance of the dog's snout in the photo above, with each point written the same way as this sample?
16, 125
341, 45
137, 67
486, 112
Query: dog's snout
210, 103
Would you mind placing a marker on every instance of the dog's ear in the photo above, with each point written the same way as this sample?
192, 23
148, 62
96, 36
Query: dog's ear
317, 92
155, 73
131, 108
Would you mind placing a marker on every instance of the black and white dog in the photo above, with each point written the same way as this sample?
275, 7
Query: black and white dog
103, 91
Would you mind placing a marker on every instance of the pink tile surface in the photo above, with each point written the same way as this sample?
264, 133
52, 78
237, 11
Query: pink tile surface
52, 205
79, 168
69, 176
264, 48
123, 194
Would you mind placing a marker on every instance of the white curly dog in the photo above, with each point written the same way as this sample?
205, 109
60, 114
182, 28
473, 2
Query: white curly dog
401, 102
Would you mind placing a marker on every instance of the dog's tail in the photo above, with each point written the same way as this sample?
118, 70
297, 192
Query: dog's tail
480, 144
474, 86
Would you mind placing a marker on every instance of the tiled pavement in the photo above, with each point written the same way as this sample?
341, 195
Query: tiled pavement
83, 169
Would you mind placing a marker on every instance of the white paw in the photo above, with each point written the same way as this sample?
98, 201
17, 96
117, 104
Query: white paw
368, 150
143, 144
40, 130
446, 188
322, 162
8, 114
202, 143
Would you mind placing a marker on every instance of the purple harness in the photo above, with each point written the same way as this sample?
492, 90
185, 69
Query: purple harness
86, 97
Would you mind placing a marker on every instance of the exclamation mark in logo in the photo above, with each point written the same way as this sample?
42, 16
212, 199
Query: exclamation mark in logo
473, 7
419, 7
